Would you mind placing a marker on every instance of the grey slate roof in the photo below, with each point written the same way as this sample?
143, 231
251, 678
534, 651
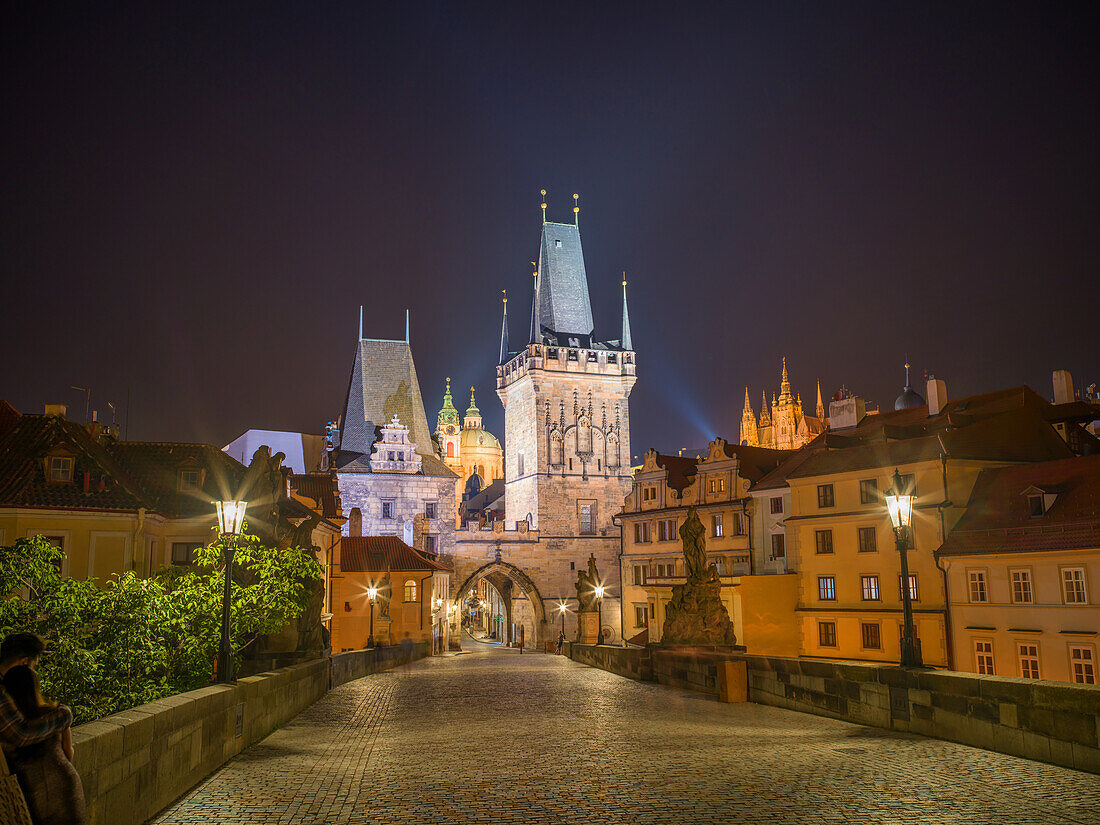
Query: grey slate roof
383, 383
564, 305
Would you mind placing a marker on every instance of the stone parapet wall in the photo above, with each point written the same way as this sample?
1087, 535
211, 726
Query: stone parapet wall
135, 763
1053, 722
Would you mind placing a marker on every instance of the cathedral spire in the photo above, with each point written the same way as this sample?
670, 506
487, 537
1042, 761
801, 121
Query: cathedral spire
626, 342
784, 385
504, 330
748, 406
820, 407
765, 416
749, 434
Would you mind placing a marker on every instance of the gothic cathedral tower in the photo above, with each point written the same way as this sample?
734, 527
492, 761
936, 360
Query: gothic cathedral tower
566, 402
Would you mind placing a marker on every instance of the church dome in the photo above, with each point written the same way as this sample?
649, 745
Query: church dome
908, 399
476, 437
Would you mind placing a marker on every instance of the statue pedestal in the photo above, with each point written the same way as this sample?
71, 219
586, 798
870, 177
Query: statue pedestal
382, 631
588, 628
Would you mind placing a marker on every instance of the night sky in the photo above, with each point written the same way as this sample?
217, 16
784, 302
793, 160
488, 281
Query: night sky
195, 203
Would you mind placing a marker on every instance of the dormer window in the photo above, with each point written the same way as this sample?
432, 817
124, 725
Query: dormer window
1035, 506
190, 480
1039, 500
61, 469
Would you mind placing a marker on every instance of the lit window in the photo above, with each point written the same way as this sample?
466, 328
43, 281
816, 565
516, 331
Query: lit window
914, 594
721, 485
868, 540
61, 469
450, 449
825, 495
976, 579
872, 635
779, 549
711, 486
190, 480
716, 522
823, 541
410, 590
777, 504
826, 634
1021, 586
826, 588
983, 656
1029, 660
868, 491
869, 586
1082, 661
1073, 585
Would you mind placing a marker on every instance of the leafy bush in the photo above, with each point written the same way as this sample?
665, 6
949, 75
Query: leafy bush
135, 640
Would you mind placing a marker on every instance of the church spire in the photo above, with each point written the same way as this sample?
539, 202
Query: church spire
748, 406
504, 330
784, 385
749, 434
626, 342
765, 416
820, 407
447, 413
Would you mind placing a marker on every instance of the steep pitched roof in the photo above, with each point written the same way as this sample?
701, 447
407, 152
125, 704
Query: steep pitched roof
777, 478
319, 487
383, 384
376, 554
564, 304
756, 462
998, 516
681, 471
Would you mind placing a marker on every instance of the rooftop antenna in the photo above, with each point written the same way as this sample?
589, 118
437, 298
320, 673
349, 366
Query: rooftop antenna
112, 406
87, 398
576, 210
543, 191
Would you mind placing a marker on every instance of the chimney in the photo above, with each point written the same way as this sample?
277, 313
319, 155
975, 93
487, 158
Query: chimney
846, 412
1063, 387
355, 522
936, 394
55, 409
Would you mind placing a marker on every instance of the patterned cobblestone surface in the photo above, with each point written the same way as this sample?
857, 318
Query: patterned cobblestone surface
492, 736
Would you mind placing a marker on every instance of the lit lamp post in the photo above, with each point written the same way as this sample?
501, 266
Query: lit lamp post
230, 522
372, 594
562, 608
899, 502
599, 613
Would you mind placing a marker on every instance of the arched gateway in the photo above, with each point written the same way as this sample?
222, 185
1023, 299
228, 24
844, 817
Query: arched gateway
496, 570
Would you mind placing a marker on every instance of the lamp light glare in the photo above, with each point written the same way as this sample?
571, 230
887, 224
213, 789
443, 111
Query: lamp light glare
372, 593
230, 516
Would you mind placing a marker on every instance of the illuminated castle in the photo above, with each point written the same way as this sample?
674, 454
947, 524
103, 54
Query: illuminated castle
785, 426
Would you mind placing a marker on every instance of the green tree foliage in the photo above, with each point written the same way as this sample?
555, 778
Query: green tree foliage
135, 640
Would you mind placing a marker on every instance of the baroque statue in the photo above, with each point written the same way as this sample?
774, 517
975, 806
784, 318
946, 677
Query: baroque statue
587, 581
696, 615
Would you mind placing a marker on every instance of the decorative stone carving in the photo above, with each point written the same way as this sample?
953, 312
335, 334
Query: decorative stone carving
696, 615
587, 580
393, 452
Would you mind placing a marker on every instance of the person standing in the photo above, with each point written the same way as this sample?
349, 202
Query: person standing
16, 730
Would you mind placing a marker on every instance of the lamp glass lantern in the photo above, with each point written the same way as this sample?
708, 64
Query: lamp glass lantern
230, 516
899, 502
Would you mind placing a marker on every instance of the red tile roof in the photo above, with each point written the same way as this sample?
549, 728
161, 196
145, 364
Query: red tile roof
321, 488
376, 554
998, 517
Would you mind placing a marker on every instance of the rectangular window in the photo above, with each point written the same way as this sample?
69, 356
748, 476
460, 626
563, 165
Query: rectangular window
1073, 585
779, 549
1035, 506
710, 486
387, 509
825, 495
872, 635
61, 469
520, 462
823, 542
868, 491
666, 529
189, 480
983, 657
639, 575
716, 522
586, 511
1021, 586
777, 504
826, 588
552, 352
721, 485
429, 544
869, 587
183, 552
914, 594
641, 532
1082, 661
826, 634
429, 509
1029, 660
868, 540
391, 455
976, 579
641, 615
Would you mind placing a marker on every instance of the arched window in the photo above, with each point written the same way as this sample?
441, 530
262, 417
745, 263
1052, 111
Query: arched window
450, 449
410, 590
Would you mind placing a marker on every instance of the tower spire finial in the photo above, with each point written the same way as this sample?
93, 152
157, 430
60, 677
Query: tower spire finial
626, 342
543, 191
504, 329
820, 410
533, 338
906, 375
576, 210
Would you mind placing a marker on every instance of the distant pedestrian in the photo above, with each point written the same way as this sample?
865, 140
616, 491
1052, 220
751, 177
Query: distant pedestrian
561, 641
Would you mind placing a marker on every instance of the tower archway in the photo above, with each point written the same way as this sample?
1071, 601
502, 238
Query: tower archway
501, 569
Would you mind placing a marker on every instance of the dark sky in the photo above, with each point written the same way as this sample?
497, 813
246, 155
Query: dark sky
195, 203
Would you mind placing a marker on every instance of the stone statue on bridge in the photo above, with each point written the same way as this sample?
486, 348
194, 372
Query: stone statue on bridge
696, 615
587, 581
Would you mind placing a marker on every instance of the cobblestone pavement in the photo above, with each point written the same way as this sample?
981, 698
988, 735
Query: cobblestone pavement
492, 736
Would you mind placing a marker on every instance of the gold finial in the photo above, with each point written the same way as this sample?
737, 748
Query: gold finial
576, 210
624, 277
543, 191
504, 292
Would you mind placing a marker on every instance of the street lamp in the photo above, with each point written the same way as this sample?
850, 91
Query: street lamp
230, 523
562, 608
599, 613
372, 594
899, 503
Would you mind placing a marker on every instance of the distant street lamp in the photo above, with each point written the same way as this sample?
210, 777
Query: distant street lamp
599, 613
230, 523
372, 594
562, 608
899, 503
